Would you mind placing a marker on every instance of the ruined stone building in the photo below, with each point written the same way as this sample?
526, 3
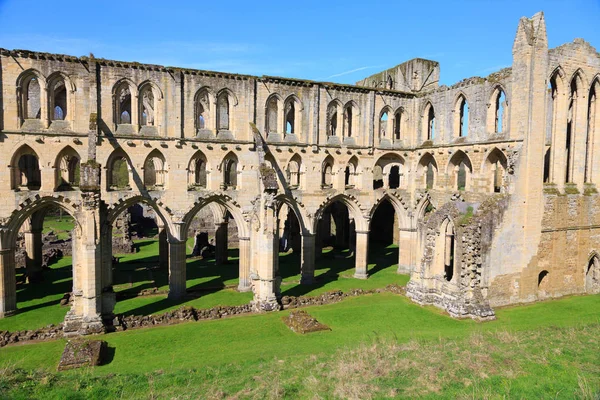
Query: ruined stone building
492, 181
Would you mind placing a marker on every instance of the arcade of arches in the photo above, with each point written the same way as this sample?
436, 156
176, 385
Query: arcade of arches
488, 187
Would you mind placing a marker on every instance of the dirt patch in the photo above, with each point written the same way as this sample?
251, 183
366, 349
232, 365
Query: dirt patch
300, 321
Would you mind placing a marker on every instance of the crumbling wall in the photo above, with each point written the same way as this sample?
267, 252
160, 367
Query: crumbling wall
464, 296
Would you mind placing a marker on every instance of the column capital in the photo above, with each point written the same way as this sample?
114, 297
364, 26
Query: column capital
363, 232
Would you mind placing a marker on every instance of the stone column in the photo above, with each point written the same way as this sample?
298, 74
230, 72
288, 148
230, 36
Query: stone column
244, 285
84, 316
33, 259
221, 243
362, 251
307, 265
177, 266
406, 249
163, 248
267, 247
8, 283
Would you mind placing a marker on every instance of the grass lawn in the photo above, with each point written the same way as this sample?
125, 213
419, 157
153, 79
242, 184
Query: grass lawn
558, 341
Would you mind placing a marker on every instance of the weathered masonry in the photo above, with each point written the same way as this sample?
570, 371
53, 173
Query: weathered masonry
492, 181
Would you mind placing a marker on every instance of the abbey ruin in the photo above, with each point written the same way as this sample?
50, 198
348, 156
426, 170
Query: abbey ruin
489, 185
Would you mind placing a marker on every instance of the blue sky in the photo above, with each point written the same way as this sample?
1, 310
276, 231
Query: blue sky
339, 41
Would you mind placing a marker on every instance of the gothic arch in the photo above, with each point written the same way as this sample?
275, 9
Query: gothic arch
294, 170
30, 109
428, 170
399, 208
494, 168
198, 169
25, 168
204, 109
461, 115
116, 209
115, 171
155, 170
385, 127
66, 168
60, 108
299, 211
497, 113
354, 209
222, 200
459, 164
428, 125
36, 203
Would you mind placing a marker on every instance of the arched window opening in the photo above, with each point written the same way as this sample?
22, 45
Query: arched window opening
32, 100
463, 118
592, 123
571, 113
383, 121
348, 121
333, 124
327, 174
394, 177
202, 105
350, 173
68, 171
500, 111
429, 176
397, 125
197, 174
223, 111
543, 281
58, 100
449, 252
426, 171
155, 172
272, 113
29, 176
495, 170
293, 174
123, 99
230, 173
146, 104
592, 275
460, 169
377, 177
290, 118
119, 174
430, 124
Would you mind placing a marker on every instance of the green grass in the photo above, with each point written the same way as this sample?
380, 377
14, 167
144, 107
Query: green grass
238, 349
60, 225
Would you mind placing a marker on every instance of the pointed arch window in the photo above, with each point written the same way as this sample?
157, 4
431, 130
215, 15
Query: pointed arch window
397, 125
223, 111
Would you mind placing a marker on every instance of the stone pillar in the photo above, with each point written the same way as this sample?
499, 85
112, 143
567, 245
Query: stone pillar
84, 317
244, 285
163, 248
406, 250
33, 259
362, 251
8, 283
221, 243
307, 265
267, 248
177, 266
